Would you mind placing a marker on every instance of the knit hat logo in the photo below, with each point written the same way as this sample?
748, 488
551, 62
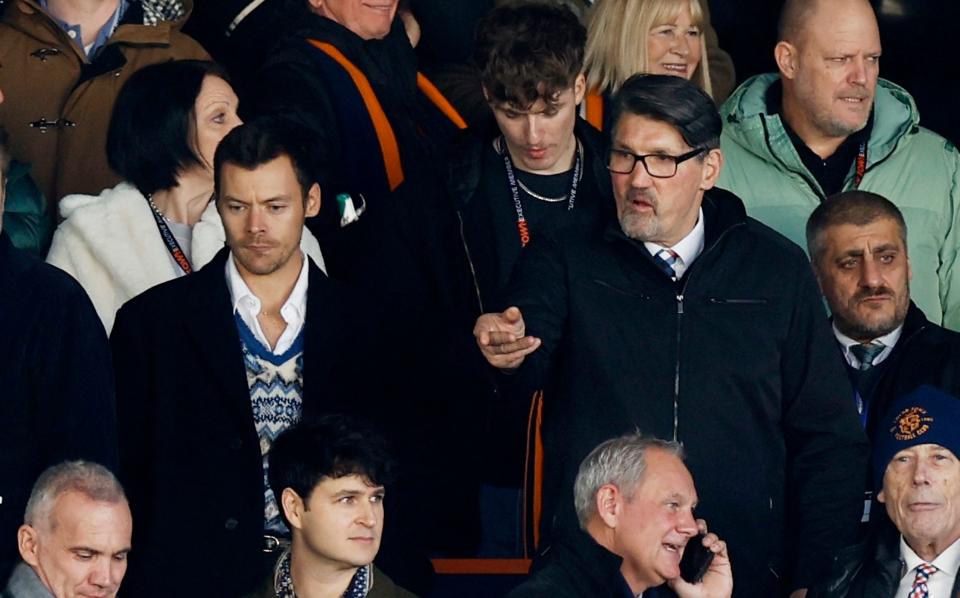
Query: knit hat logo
911, 423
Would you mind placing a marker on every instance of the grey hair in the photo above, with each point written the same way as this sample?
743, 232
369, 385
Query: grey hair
90, 479
618, 461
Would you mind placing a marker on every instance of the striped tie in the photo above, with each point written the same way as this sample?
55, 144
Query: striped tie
919, 589
665, 259
865, 354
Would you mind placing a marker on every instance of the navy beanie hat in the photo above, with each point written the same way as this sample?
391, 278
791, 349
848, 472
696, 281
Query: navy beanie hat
926, 415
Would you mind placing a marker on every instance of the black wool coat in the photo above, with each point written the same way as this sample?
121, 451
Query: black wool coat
58, 396
189, 452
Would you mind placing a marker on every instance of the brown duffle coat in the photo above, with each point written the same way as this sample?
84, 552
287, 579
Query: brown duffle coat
58, 102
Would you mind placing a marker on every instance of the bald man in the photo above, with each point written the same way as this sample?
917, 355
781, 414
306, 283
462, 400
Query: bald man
827, 123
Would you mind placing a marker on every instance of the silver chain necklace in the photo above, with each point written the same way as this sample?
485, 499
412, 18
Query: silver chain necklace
534, 195
498, 143
154, 207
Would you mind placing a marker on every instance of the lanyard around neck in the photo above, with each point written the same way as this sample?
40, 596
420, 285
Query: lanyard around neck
861, 164
168, 239
522, 228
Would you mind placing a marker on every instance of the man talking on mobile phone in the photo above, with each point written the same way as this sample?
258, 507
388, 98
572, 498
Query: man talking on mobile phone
635, 499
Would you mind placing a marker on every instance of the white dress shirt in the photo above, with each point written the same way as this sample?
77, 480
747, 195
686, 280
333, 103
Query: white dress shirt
248, 306
688, 248
888, 340
940, 583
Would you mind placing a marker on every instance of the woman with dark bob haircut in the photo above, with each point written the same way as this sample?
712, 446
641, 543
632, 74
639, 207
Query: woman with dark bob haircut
159, 223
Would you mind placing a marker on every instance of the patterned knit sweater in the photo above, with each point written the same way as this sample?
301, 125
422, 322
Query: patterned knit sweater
276, 395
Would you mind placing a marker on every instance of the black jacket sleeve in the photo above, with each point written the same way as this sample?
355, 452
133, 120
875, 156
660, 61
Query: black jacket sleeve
538, 287
826, 447
72, 379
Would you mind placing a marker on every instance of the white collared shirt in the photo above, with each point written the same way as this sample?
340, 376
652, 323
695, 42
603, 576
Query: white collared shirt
940, 583
889, 340
248, 306
688, 248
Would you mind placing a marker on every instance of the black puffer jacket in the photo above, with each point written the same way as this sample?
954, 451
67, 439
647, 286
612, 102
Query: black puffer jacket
735, 360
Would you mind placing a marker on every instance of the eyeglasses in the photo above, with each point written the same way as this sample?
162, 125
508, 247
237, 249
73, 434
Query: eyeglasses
660, 166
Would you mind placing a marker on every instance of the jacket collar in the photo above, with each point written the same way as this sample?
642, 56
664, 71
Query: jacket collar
598, 563
722, 211
915, 321
24, 583
147, 22
215, 332
895, 115
389, 61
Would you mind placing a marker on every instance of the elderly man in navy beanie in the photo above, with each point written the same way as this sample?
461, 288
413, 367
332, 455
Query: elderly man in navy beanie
916, 471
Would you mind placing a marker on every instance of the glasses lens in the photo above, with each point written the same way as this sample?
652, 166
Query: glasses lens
621, 162
661, 166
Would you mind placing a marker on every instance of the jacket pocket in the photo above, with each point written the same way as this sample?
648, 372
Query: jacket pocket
737, 301
619, 290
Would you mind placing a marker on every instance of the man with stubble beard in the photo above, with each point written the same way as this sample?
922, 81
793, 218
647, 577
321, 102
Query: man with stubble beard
212, 367
858, 245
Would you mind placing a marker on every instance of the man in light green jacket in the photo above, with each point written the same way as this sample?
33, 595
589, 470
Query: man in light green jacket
827, 123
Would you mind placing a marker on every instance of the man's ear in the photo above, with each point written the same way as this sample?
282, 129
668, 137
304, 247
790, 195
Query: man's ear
28, 543
312, 207
293, 507
609, 501
786, 56
712, 164
580, 88
880, 497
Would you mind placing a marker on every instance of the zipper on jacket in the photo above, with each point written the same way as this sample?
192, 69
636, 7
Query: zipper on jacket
473, 271
686, 280
813, 187
676, 371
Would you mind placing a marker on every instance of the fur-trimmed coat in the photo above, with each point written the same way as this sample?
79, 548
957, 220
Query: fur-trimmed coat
111, 245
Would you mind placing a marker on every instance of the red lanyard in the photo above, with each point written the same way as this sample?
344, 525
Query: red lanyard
522, 228
861, 164
169, 240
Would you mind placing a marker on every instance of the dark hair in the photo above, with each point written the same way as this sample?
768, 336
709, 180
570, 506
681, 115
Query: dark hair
149, 140
331, 446
671, 100
855, 207
528, 51
262, 140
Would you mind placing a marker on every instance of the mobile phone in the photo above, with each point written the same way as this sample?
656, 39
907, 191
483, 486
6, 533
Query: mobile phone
696, 560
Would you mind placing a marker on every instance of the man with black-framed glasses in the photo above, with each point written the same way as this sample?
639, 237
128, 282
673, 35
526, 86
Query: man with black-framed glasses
688, 320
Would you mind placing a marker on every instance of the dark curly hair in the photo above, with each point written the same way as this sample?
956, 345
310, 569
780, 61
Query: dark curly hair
330, 446
528, 51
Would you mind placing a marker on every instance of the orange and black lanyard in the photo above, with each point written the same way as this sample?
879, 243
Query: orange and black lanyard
169, 240
522, 227
861, 164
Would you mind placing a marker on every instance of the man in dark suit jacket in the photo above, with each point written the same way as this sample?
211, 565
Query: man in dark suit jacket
58, 400
213, 366
857, 243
